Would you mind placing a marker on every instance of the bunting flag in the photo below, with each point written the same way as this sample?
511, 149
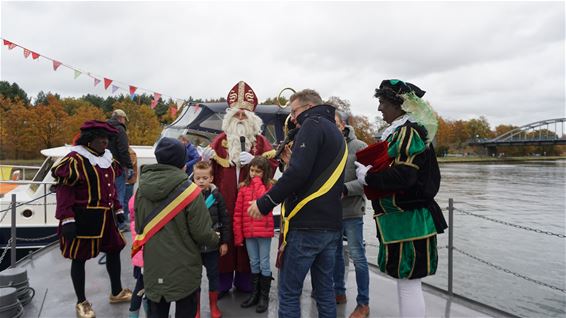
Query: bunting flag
9, 44
56, 65
156, 97
107, 82
173, 111
132, 91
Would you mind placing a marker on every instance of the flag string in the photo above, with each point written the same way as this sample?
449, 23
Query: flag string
131, 89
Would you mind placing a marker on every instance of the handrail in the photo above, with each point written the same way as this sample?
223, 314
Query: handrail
21, 167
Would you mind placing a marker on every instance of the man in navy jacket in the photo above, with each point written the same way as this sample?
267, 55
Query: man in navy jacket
314, 231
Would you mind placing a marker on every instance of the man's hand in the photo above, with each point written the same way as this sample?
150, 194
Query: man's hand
207, 154
223, 249
286, 154
253, 211
69, 230
130, 174
120, 216
245, 158
361, 172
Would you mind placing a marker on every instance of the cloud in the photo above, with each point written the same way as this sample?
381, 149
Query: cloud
501, 60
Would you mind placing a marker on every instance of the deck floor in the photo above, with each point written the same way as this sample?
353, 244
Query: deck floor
48, 274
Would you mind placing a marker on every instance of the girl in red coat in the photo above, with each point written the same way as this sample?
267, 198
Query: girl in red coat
257, 232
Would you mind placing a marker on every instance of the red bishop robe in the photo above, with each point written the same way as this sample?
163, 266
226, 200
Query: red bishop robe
225, 179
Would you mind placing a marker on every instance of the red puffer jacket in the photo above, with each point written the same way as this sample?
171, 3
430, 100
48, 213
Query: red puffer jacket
244, 225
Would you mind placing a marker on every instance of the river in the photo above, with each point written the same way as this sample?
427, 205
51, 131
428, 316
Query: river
530, 194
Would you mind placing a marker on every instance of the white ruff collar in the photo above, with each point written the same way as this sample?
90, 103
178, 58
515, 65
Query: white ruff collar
394, 125
103, 161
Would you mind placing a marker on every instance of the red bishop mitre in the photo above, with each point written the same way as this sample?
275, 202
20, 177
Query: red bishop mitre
242, 96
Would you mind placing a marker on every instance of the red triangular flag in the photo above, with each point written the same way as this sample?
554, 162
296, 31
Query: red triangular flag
156, 97
34, 55
132, 90
8, 43
107, 82
56, 65
173, 111
26, 53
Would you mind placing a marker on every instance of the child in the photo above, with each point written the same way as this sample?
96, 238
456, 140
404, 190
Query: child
203, 178
137, 260
257, 232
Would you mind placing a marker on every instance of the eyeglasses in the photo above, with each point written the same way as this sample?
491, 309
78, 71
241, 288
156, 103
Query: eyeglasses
294, 111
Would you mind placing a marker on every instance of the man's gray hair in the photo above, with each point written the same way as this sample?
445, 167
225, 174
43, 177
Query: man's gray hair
307, 96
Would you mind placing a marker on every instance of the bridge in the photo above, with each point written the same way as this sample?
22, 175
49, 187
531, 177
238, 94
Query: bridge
544, 132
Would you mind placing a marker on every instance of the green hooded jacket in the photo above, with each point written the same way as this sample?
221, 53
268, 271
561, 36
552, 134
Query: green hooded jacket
172, 261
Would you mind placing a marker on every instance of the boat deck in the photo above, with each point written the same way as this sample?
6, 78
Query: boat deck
48, 274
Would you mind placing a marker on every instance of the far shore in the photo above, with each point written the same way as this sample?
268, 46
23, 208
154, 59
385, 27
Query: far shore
465, 159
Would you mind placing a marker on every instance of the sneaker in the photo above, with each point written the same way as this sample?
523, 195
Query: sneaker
124, 296
361, 311
341, 299
84, 310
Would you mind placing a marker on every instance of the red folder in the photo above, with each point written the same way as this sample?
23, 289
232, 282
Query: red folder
375, 155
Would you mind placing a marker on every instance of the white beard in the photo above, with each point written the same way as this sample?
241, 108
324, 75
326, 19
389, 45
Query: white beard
234, 129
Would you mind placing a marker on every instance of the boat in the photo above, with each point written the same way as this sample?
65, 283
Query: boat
35, 201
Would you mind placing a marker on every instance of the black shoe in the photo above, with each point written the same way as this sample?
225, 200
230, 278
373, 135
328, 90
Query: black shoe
254, 297
264, 287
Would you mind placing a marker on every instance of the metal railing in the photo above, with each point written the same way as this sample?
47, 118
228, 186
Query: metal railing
13, 238
452, 248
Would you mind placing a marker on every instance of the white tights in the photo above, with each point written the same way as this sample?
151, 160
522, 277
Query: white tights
411, 299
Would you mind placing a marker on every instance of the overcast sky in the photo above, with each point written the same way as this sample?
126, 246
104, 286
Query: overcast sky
502, 60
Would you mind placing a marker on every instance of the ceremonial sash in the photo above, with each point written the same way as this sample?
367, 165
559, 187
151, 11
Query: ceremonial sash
164, 213
335, 168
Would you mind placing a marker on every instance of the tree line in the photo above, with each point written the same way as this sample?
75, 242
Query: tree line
49, 120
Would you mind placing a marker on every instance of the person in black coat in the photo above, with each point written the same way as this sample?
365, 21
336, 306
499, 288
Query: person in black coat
311, 189
222, 223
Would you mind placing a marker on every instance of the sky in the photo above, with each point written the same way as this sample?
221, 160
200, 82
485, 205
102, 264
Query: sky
501, 60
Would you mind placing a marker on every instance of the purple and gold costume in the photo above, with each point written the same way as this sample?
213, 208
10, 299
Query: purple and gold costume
86, 192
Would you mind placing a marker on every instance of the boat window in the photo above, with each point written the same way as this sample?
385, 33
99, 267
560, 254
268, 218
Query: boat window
213, 122
187, 116
269, 133
174, 132
42, 172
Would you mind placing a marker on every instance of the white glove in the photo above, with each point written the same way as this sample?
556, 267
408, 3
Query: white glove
245, 158
207, 153
361, 172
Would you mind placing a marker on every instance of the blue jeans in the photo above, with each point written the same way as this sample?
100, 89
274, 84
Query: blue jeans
120, 183
258, 252
210, 262
354, 230
313, 250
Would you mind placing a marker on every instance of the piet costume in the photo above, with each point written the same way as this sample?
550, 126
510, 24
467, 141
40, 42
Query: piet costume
86, 195
402, 186
228, 173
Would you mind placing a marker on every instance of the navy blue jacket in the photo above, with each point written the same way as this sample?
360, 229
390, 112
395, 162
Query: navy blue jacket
316, 145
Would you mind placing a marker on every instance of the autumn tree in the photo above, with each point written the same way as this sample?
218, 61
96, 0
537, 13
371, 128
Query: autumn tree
17, 130
79, 111
364, 129
48, 121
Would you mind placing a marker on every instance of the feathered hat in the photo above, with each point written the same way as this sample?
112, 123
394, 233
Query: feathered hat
242, 96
